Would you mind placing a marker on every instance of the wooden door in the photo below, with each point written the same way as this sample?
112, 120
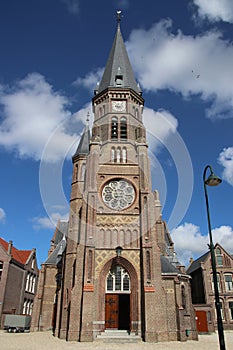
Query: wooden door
201, 321
111, 311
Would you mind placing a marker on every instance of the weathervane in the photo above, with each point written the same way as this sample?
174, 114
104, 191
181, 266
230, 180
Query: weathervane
119, 16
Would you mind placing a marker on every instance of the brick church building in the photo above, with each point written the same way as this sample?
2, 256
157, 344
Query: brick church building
112, 266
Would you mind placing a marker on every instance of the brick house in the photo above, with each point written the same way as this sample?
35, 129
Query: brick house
18, 280
115, 265
203, 289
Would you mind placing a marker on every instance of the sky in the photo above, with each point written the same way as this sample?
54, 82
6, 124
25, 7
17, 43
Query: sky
53, 53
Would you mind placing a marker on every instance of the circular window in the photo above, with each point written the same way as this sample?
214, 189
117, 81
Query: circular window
118, 194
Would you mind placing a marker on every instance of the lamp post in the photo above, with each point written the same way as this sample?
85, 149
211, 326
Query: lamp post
214, 180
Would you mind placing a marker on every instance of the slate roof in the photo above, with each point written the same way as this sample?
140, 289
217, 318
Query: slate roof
59, 239
19, 255
118, 64
196, 264
167, 267
83, 147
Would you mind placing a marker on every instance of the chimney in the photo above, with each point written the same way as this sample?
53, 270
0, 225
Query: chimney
10, 244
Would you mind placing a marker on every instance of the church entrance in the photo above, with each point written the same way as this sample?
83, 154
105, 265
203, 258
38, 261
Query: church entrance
117, 299
117, 311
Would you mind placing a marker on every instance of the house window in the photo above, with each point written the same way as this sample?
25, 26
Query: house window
1, 269
219, 257
114, 128
221, 310
231, 310
33, 284
118, 280
218, 283
123, 132
24, 307
228, 282
27, 282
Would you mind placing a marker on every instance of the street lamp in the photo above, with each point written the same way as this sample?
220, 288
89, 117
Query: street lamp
214, 180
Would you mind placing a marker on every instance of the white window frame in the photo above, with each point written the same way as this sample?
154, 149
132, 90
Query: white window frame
112, 273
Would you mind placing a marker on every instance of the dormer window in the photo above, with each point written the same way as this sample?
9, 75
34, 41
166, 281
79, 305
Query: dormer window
119, 80
119, 77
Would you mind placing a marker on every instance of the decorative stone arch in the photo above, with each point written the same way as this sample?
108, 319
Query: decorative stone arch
134, 295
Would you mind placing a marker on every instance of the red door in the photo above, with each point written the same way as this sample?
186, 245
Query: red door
111, 311
201, 321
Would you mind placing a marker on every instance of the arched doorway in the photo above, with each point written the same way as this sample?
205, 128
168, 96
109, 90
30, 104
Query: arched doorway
117, 299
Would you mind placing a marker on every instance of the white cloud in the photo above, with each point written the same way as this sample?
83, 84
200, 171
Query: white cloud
215, 10
72, 6
2, 215
191, 243
90, 80
32, 112
48, 223
200, 65
159, 125
226, 160
224, 236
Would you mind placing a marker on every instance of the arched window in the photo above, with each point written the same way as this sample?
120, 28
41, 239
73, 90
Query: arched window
113, 154
118, 155
123, 133
136, 113
148, 266
24, 306
114, 128
83, 172
183, 297
118, 280
27, 282
89, 274
124, 155
33, 284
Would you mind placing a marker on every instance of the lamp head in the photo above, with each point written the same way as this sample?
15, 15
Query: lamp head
213, 180
118, 251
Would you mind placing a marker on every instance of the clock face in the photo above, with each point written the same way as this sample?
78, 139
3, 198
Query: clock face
119, 106
118, 194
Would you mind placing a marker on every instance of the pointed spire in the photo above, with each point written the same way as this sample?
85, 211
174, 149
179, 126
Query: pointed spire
83, 147
118, 71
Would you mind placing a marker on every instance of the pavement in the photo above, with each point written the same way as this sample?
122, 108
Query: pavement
46, 341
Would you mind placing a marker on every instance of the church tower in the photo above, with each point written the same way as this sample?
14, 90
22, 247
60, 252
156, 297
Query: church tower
118, 272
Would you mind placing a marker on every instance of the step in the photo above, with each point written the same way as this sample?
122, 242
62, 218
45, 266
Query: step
118, 336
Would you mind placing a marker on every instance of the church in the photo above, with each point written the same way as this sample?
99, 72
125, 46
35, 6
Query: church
112, 268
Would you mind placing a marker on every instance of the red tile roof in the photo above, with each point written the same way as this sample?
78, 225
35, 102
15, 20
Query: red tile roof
19, 255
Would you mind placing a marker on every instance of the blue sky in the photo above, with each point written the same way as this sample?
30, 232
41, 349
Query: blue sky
53, 53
